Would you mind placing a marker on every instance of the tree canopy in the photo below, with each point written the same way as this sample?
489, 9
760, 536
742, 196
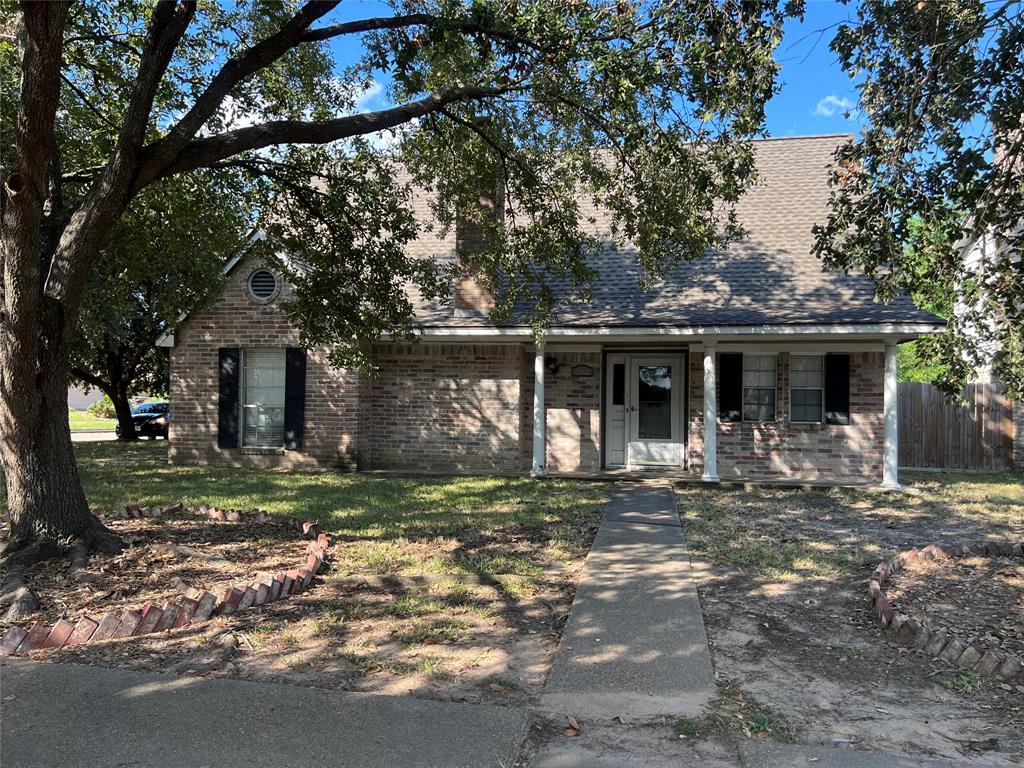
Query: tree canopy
165, 258
938, 168
103, 102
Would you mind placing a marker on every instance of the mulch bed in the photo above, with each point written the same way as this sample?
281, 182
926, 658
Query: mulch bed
978, 599
163, 559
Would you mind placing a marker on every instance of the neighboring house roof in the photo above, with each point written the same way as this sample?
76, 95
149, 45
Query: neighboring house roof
771, 276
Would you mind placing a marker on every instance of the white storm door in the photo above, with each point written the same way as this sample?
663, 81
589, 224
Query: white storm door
655, 398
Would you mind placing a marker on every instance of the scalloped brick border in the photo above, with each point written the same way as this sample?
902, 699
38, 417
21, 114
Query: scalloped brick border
973, 657
195, 607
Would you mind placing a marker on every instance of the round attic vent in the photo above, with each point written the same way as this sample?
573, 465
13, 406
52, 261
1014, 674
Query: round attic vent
263, 284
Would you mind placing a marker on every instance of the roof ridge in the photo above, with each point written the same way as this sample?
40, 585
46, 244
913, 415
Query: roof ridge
808, 136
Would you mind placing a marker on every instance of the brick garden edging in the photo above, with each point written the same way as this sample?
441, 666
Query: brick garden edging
973, 657
197, 606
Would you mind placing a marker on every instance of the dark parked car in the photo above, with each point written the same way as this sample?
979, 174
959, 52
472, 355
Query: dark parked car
150, 420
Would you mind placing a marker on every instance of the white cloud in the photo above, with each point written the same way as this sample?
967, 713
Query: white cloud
369, 97
832, 105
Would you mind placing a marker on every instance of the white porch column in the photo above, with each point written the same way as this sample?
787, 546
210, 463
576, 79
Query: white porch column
890, 449
710, 416
539, 441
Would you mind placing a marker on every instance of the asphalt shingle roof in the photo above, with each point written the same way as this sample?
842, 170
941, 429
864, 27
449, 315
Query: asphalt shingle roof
769, 277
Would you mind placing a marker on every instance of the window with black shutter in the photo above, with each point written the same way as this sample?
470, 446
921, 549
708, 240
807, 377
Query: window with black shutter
837, 389
730, 386
294, 397
229, 360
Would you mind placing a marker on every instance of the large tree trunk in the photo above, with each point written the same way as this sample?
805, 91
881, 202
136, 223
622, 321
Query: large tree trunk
118, 395
44, 493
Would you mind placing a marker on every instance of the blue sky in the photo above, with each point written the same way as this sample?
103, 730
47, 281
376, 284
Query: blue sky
815, 91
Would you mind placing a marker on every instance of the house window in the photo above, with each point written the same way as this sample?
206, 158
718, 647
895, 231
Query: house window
806, 389
263, 398
759, 387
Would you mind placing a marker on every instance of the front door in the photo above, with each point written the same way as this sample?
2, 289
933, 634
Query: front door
655, 411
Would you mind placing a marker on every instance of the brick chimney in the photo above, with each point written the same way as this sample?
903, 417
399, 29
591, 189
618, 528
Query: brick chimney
472, 295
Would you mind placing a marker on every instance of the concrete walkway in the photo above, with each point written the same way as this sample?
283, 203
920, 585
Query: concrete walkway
68, 715
635, 644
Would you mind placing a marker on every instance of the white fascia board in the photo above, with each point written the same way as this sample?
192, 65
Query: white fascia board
694, 333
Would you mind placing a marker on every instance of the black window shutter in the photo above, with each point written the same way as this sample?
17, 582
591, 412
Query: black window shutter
294, 397
730, 386
837, 389
229, 361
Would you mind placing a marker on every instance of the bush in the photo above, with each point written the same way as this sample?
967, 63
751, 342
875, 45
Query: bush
102, 409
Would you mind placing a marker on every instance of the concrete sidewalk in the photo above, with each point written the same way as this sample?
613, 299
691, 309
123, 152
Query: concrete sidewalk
769, 754
69, 715
635, 644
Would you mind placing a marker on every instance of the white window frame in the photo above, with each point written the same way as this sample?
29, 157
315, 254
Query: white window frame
774, 388
245, 407
821, 362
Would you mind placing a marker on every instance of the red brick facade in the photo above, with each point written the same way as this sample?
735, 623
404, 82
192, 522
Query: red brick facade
783, 450
468, 407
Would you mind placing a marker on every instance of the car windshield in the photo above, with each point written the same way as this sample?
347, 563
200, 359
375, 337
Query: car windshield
151, 408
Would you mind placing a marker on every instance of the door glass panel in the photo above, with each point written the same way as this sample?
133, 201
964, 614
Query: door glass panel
654, 403
618, 383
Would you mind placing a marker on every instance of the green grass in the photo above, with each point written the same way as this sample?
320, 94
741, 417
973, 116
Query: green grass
388, 524
965, 684
83, 421
778, 534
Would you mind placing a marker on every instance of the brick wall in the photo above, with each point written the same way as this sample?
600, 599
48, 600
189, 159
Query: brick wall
469, 407
783, 450
238, 320
573, 406
444, 407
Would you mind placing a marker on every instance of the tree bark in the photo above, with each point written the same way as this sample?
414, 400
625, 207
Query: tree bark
123, 409
44, 494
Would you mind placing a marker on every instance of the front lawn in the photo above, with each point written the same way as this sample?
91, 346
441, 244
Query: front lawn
83, 421
445, 587
392, 524
783, 582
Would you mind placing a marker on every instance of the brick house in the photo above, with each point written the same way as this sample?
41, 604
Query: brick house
794, 367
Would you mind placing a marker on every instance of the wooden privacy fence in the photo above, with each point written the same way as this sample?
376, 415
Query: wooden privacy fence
935, 433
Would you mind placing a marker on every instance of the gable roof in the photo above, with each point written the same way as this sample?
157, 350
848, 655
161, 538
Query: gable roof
768, 278
771, 276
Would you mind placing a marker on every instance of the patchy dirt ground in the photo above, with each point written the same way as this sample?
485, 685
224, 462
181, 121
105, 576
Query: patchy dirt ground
783, 577
973, 598
451, 638
164, 557
457, 634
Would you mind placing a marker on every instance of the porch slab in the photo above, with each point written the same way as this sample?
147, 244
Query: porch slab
635, 644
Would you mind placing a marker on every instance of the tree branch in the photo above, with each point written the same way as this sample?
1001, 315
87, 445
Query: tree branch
416, 20
89, 378
208, 151
85, 100
239, 67
108, 195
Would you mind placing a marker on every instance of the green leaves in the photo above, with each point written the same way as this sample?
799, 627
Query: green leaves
937, 169
633, 112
